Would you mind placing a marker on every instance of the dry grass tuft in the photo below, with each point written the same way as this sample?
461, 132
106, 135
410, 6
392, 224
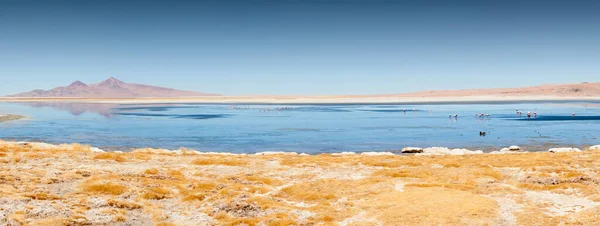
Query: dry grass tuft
176, 174
157, 193
165, 224
198, 191
120, 218
50, 222
204, 186
111, 156
37, 155
263, 180
80, 147
312, 192
220, 160
122, 204
103, 188
139, 156
42, 196
421, 206
396, 173
152, 171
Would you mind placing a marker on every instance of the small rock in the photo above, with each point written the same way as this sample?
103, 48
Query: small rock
276, 153
412, 150
216, 153
464, 152
506, 151
556, 150
446, 151
436, 150
514, 148
343, 153
96, 150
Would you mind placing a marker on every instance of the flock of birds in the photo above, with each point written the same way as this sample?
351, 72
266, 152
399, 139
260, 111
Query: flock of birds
478, 116
529, 114
236, 107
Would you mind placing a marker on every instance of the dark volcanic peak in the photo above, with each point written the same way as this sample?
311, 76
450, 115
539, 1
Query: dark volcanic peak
110, 88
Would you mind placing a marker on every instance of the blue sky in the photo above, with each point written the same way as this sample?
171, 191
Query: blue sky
299, 47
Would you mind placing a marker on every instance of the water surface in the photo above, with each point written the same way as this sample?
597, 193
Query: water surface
301, 128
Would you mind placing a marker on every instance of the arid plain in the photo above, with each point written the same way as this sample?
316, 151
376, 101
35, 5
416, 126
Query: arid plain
44, 184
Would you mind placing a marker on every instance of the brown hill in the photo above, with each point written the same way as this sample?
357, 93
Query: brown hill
559, 90
110, 88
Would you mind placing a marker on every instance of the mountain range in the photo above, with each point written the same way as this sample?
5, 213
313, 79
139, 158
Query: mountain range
110, 88
114, 88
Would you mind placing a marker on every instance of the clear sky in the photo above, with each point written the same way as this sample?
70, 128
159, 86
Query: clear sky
299, 47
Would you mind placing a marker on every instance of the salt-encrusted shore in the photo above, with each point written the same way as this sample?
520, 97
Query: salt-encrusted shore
45, 184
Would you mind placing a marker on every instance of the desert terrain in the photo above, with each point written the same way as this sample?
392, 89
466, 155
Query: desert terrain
564, 92
43, 184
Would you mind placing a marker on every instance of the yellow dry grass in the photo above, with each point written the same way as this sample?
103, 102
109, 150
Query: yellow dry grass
434, 206
157, 193
74, 186
103, 187
218, 160
152, 171
111, 156
123, 204
42, 196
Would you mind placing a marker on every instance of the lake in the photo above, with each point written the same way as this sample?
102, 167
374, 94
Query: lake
303, 128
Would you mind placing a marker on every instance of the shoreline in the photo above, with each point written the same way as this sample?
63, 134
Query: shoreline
446, 150
407, 151
365, 99
68, 184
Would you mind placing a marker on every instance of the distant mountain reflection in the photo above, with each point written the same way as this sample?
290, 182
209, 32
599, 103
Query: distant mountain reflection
77, 109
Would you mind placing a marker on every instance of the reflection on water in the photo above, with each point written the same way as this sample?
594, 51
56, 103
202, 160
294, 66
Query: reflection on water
301, 128
190, 116
395, 110
77, 109
109, 110
151, 108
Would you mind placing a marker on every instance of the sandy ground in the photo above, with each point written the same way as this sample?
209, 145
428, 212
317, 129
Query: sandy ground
44, 184
6, 118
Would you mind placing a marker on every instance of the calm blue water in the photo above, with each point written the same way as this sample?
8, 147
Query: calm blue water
301, 128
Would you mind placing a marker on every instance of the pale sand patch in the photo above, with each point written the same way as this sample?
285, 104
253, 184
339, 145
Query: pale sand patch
508, 206
399, 186
361, 218
559, 204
